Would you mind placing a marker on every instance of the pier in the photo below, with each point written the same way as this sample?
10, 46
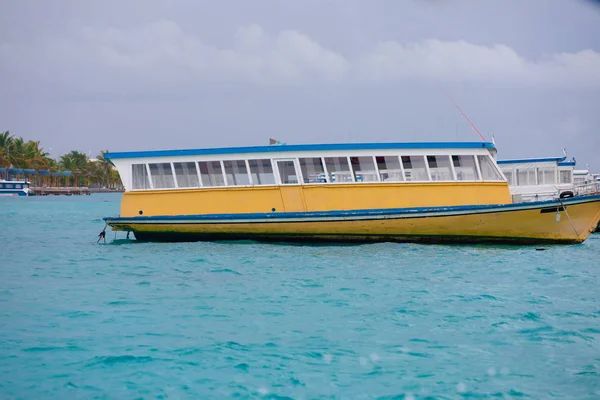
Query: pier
70, 191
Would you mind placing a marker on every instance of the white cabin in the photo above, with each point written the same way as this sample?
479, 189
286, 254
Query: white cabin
537, 179
585, 182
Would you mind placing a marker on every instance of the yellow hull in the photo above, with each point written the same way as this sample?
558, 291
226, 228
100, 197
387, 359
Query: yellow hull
526, 223
310, 198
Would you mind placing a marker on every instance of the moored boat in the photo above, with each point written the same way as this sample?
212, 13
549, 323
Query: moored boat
369, 192
535, 179
14, 188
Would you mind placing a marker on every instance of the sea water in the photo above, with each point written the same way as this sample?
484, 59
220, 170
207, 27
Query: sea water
126, 320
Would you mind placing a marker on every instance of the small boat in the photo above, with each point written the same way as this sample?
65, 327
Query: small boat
351, 192
586, 182
535, 179
14, 188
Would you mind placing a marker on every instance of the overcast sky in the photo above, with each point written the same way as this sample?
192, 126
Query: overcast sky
138, 75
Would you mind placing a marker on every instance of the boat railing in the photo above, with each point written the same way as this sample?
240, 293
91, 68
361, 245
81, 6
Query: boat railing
587, 188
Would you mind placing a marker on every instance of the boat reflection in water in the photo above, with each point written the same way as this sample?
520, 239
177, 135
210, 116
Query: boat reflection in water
369, 192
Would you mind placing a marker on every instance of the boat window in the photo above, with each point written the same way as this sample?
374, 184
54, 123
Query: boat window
162, 176
140, 177
439, 168
364, 169
525, 177
8, 186
489, 172
546, 176
186, 174
17, 186
414, 168
338, 169
262, 172
565, 176
312, 170
287, 172
509, 177
389, 168
211, 173
236, 173
465, 168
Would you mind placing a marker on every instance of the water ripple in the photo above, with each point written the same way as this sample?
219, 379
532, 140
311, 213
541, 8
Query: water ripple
224, 320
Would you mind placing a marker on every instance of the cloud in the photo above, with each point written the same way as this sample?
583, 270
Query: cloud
163, 54
463, 61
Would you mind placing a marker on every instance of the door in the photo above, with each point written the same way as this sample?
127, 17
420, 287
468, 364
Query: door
290, 188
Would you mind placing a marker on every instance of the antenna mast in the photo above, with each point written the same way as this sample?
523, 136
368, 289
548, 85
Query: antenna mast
464, 115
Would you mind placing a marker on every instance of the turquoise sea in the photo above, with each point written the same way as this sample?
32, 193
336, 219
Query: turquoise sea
128, 320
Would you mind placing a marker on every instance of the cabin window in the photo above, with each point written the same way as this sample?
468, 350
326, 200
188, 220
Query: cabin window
439, 168
262, 172
8, 186
525, 177
509, 177
17, 186
546, 176
312, 170
364, 169
211, 173
565, 176
140, 177
186, 174
488, 169
287, 172
162, 176
414, 168
465, 168
236, 173
389, 168
338, 169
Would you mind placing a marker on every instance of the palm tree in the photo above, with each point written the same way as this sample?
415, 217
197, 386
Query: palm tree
102, 172
5, 145
18, 153
75, 162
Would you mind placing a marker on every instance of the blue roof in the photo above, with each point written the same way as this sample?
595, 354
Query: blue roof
301, 147
532, 160
567, 164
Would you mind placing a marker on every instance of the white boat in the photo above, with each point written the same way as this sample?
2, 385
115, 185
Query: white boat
537, 179
586, 182
14, 188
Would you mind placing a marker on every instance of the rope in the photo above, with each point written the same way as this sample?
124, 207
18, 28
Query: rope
102, 235
568, 216
464, 115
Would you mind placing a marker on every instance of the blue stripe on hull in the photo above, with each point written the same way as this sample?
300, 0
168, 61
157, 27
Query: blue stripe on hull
418, 212
12, 193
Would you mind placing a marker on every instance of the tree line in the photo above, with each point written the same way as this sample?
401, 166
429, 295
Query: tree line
17, 153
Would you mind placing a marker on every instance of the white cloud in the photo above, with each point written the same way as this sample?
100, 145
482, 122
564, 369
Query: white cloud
465, 61
162, 53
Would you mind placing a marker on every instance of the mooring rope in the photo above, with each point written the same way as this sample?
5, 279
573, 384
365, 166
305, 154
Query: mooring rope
569, 217
102, 235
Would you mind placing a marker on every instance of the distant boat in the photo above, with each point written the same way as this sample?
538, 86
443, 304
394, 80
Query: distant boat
586, 182
350, 192
536, 179
14, 188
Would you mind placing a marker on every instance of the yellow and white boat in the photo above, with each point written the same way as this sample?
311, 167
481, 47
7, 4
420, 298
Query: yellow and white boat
369, 192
